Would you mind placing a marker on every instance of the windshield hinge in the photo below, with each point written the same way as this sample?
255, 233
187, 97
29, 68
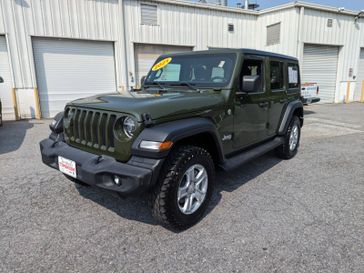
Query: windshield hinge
147, 120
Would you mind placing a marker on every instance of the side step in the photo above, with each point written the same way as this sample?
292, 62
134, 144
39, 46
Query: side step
246, 156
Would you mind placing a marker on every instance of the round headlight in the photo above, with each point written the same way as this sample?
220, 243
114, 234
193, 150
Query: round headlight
129, 126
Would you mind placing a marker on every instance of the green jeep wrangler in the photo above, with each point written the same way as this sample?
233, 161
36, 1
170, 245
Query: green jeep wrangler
194, 112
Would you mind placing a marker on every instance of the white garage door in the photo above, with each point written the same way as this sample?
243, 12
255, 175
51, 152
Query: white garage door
359, 77
5, 87
320, 66
145, 56
70, 69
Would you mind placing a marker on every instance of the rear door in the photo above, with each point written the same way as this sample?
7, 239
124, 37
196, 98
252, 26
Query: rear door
251, 109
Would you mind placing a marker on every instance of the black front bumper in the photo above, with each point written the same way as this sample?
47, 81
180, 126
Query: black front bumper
136, 175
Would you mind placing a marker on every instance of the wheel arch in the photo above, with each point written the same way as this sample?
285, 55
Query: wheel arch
200, 132
294, 108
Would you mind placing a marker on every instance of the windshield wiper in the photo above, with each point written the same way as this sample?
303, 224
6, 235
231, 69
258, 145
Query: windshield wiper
156, 83
185, 84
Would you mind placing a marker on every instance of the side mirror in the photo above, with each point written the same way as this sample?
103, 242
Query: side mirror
251, 84
1, 80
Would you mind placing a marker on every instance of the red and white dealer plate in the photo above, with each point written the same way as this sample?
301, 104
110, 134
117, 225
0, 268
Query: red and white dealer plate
67, 166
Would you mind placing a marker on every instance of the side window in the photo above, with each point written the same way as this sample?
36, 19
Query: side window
253, 68
276, 75
293, 76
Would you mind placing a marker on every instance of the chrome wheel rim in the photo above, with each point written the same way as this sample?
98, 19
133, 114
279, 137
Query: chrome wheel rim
192, 189
293, 138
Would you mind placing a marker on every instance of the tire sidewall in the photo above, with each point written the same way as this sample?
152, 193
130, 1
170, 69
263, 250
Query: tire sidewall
295, 121
187, 161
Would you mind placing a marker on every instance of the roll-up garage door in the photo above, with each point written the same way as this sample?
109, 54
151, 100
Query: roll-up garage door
70, 69
320, 66
359, 77
5, 87
145, 56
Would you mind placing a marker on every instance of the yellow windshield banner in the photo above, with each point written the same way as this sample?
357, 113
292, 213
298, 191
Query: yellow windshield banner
161, 64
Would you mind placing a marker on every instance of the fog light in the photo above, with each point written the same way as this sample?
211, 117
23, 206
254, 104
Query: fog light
117, 180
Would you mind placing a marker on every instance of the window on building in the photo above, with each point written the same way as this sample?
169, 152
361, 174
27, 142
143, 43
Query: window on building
230, 27
149, 14
329, 22
276, 75
273, 34
252, 67
293, 76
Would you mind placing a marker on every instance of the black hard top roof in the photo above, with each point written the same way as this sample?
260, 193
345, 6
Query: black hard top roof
236, 50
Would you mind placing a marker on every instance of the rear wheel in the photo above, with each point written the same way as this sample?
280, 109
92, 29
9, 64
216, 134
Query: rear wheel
184, 191
291, 140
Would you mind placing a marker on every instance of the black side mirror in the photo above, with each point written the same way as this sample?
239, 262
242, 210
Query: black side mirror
251, 84
1, 80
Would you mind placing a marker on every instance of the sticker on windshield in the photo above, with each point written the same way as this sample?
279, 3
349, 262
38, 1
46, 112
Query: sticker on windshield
161, 64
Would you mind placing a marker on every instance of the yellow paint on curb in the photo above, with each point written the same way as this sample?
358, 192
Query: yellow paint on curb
15, 104
362, 92
347, 92
38, 113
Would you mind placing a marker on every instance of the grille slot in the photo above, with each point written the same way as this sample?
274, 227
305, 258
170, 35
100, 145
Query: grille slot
91, 128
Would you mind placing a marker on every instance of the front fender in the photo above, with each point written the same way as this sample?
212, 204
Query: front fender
175, 131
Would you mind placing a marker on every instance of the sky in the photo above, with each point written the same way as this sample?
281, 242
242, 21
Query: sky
348, 4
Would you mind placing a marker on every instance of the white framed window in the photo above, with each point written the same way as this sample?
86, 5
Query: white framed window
149, 14
273, 34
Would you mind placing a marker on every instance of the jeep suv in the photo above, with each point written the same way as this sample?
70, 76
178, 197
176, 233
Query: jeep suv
194, 112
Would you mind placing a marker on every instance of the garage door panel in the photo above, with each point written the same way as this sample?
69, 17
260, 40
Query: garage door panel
6, 86
71, 69
320, 66
145, 56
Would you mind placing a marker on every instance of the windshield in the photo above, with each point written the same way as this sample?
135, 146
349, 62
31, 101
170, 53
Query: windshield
193, 70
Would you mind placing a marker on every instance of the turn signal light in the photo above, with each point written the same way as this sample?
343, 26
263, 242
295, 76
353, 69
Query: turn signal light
155, 145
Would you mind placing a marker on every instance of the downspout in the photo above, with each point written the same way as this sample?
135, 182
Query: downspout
124, 45
299, 49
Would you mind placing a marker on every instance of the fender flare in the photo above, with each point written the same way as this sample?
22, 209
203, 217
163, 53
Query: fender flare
287, 116
175, 131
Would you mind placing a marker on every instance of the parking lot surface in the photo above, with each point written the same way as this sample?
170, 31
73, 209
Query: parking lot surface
300, 215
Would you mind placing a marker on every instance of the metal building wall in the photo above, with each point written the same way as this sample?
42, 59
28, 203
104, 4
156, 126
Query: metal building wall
345, 33
289, 19
188, 25
74, 19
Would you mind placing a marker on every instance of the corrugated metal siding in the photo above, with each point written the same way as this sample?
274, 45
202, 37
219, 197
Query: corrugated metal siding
5, 87
360, 77
288, 32
70, 69
79, 19
320, 66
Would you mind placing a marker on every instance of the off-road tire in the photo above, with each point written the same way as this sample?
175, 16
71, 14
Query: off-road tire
164, 196
284, 150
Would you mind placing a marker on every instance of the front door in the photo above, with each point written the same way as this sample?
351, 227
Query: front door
251, 108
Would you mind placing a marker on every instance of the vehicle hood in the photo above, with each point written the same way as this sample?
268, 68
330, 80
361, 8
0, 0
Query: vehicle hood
158, 106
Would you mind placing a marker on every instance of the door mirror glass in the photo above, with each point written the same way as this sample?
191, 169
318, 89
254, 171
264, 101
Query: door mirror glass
1, 80
251, 84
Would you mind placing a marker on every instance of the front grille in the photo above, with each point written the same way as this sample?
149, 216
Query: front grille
91, 128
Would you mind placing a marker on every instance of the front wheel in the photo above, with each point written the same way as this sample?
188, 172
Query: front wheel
183, 193
291, 140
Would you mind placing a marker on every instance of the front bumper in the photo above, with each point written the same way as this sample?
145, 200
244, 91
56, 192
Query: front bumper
136, 175
310, 100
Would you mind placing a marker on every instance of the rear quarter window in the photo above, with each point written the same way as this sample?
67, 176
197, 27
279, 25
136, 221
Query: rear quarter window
293, 76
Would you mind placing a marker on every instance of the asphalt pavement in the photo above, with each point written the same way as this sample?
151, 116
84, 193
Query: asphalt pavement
271, 215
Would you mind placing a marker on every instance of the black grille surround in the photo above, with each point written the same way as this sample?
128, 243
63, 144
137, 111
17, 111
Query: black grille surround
90, 128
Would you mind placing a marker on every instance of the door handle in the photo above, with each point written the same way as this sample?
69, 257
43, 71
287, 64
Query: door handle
264, 104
